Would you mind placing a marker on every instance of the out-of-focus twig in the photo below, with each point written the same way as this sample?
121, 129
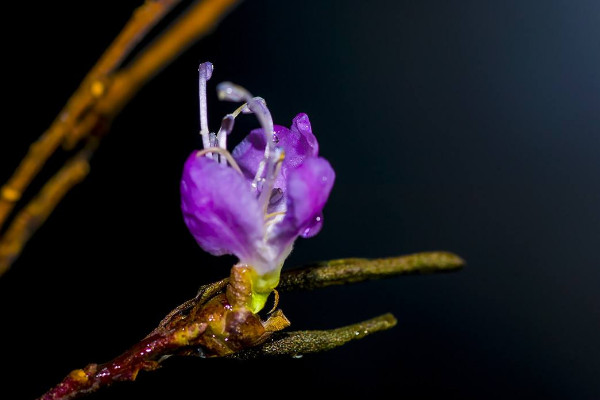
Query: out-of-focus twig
38, 209
100, 97
81, 102
187, 329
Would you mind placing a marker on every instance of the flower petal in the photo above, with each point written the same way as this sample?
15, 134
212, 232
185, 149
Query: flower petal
219, 208
308, 189
298, 143
251, 150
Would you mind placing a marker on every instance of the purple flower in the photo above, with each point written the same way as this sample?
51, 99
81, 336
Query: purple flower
255, 201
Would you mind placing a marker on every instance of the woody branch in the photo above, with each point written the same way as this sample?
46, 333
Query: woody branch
103, 93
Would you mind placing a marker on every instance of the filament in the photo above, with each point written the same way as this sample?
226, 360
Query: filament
274, 168
223, 153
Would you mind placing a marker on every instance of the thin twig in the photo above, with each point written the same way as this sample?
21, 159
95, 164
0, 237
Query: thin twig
197, 21
39, 208
143, 19
305, 342
101, 96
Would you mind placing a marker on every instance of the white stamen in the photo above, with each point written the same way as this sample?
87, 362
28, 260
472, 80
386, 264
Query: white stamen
259, 107
204, 74
231, 92
224, 131
212, 138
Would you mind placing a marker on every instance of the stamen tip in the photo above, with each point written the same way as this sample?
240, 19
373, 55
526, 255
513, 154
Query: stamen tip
227, 123
207, 67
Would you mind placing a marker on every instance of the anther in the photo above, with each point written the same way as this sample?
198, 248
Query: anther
273, 169
276, 195
231, 92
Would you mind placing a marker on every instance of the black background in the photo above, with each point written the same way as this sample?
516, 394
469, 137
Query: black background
469, 126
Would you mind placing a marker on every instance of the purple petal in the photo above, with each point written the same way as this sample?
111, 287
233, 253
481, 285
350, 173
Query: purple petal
251, 151
308, 189
298, 143
310, 146
313, 227
219, 208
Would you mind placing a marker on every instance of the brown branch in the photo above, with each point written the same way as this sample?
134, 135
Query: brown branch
40, 207
143, 356
147, 354
199, 20
143, 19
196, 326
101, 96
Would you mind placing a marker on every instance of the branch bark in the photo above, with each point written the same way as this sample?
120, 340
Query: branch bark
298, 343
103, 93
187, 329
39, 208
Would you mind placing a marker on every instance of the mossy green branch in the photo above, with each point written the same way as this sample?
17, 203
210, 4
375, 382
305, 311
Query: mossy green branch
354, 270
305, 342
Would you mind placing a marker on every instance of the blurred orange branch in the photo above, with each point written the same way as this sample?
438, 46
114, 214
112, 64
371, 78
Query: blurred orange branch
87, 115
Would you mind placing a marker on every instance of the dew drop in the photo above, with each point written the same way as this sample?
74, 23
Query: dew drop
313, 227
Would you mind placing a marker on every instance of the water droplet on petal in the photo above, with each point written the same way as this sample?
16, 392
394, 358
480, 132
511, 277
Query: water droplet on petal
313, 227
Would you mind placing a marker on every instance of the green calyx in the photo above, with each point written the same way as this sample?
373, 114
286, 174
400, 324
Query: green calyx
262, 286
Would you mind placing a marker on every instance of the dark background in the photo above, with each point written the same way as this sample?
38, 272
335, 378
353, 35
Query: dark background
468, 126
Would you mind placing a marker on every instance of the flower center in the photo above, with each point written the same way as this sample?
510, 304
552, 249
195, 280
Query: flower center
215, 144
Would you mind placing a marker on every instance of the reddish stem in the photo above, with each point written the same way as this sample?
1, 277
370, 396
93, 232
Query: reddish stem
142, 356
